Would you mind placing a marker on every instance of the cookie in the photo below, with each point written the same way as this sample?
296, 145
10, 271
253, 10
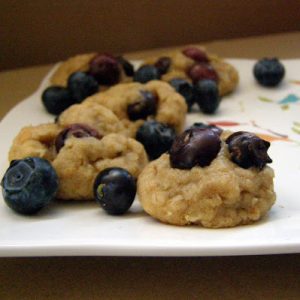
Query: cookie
81, 63
95, 115
170, 106
77, 161
214, 195
182, 61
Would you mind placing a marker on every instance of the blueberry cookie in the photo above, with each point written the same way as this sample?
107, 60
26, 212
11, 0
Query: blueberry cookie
134, 103
105, 68
78, 153
195, 63
207, 181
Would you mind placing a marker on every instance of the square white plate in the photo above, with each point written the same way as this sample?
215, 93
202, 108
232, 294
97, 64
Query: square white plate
84, 229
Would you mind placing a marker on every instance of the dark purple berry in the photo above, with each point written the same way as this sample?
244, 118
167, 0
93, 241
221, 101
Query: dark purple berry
114, 190
195, 147
56, 99
144, 107
214, 128
105, 68
269, 71
196, 54
29, 185
207, 96
185, 89
146, 73
82, 85
157, 138
126, 65
163, 64
75, 130
248, 150
200, 71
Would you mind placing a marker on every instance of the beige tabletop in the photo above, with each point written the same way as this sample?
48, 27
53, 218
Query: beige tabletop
248, 277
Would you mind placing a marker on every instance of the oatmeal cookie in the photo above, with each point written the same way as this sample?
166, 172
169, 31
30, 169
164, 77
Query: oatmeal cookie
170, 106
181, 64
95, 115
221, 194
80, 161
35, 141
81, 63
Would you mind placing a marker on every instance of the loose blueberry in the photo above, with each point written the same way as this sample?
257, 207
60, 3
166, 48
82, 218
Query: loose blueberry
56, 99
143, 107
248, 150
146, 73
29, 185
75, 130
269, 71
156, 137
196, 54
114, 190
194, 147
184, 88
105, 68
201, 71
163, 64
126, 65
207, 96
82, 85
214, 128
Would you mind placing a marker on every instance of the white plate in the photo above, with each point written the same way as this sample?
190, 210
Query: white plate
84, 229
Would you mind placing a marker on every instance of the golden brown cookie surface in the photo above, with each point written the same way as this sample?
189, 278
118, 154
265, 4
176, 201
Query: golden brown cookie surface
219, 195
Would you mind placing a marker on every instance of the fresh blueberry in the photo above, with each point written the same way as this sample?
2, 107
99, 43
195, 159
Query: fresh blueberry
156, 137
214, 128
126, 65
75, 130
200, 71
163, 64
145, 106
82, 85
105, 69
186, 89
207, 96
146, 73
194, 147
56, 99
195, 54
29, 185
269, 71
114, 190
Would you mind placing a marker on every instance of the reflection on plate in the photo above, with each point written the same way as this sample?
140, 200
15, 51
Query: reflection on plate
83, 229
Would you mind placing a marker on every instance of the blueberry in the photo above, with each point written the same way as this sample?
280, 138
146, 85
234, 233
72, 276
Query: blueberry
207, 96
163, 64
200, 71
56, 99
126, 65
156, 137
184, 88
248, 150
76, 130
196, 54
82, 85
105, 69
29, 185
214, 128
146, 73
195, 146
269, 71
145, 106
114, 190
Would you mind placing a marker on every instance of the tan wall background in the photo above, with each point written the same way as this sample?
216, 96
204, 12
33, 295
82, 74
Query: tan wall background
39, 32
